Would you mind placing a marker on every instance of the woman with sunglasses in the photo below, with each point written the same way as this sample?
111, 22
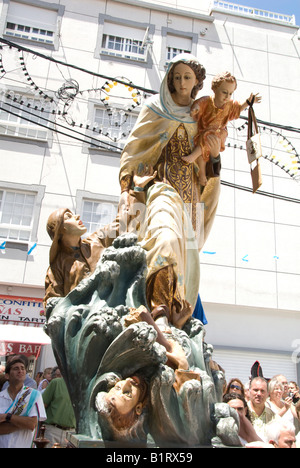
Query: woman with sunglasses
235, 386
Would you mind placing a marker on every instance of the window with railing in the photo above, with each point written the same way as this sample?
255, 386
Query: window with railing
123, 47
254, 12
16, 215
124, 41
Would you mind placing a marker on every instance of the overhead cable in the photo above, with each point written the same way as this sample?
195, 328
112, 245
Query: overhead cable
84, 140
75, 67
140, 88
260, 192
110, 145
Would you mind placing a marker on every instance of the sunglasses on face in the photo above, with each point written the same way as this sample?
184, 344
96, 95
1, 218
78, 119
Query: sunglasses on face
235, 386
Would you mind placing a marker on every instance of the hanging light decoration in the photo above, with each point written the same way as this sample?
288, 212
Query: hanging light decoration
2, 69
286, 157
35, 88
69, 92
117, 113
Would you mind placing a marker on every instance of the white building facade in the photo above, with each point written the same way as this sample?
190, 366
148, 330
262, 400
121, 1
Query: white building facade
73, 76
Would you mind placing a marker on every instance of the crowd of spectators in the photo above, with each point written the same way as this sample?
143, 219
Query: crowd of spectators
268, 409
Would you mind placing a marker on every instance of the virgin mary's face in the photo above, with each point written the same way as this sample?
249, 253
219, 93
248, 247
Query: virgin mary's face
184, 80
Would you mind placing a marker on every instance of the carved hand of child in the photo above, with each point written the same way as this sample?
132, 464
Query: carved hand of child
254, 98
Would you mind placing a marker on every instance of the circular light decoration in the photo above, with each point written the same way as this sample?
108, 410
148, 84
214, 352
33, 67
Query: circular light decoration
279, 150
112, 96
112, 99
134, 94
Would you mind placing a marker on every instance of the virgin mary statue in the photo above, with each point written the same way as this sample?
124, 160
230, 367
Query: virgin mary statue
179, 212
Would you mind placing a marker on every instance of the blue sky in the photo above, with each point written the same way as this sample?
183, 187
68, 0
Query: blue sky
288, 7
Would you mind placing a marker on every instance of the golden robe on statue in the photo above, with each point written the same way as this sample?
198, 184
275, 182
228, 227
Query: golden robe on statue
179, 213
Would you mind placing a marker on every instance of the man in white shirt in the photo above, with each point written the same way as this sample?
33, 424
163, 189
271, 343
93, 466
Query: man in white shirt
29, 382
260, 413
21, 408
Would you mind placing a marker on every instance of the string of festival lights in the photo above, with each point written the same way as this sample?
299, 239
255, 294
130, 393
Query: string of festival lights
19, 100
70, 91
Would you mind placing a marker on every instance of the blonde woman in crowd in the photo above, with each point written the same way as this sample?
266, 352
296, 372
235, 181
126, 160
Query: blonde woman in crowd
283, 407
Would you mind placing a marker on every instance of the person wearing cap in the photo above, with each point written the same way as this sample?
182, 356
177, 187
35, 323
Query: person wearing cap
21, 408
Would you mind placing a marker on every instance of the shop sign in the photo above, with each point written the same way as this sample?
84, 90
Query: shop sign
21, 311
28, 349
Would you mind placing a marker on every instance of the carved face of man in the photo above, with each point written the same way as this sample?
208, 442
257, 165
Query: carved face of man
73, 224
125, 395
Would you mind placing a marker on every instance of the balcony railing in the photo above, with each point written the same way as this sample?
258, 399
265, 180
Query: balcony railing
253, 12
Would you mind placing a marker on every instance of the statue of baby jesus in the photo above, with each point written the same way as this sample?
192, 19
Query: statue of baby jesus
212, 114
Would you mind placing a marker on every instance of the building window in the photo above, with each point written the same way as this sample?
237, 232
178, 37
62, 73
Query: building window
123, 47
97, 214
24, 120
31, 22
27, 32
177, 45
16, 215
124, 41
172, 52
113, 125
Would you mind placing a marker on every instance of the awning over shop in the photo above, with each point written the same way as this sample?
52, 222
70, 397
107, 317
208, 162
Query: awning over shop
22, 340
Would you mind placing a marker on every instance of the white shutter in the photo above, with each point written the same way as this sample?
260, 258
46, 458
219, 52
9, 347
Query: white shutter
179, 42
237, 363
32, 16
121, 30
